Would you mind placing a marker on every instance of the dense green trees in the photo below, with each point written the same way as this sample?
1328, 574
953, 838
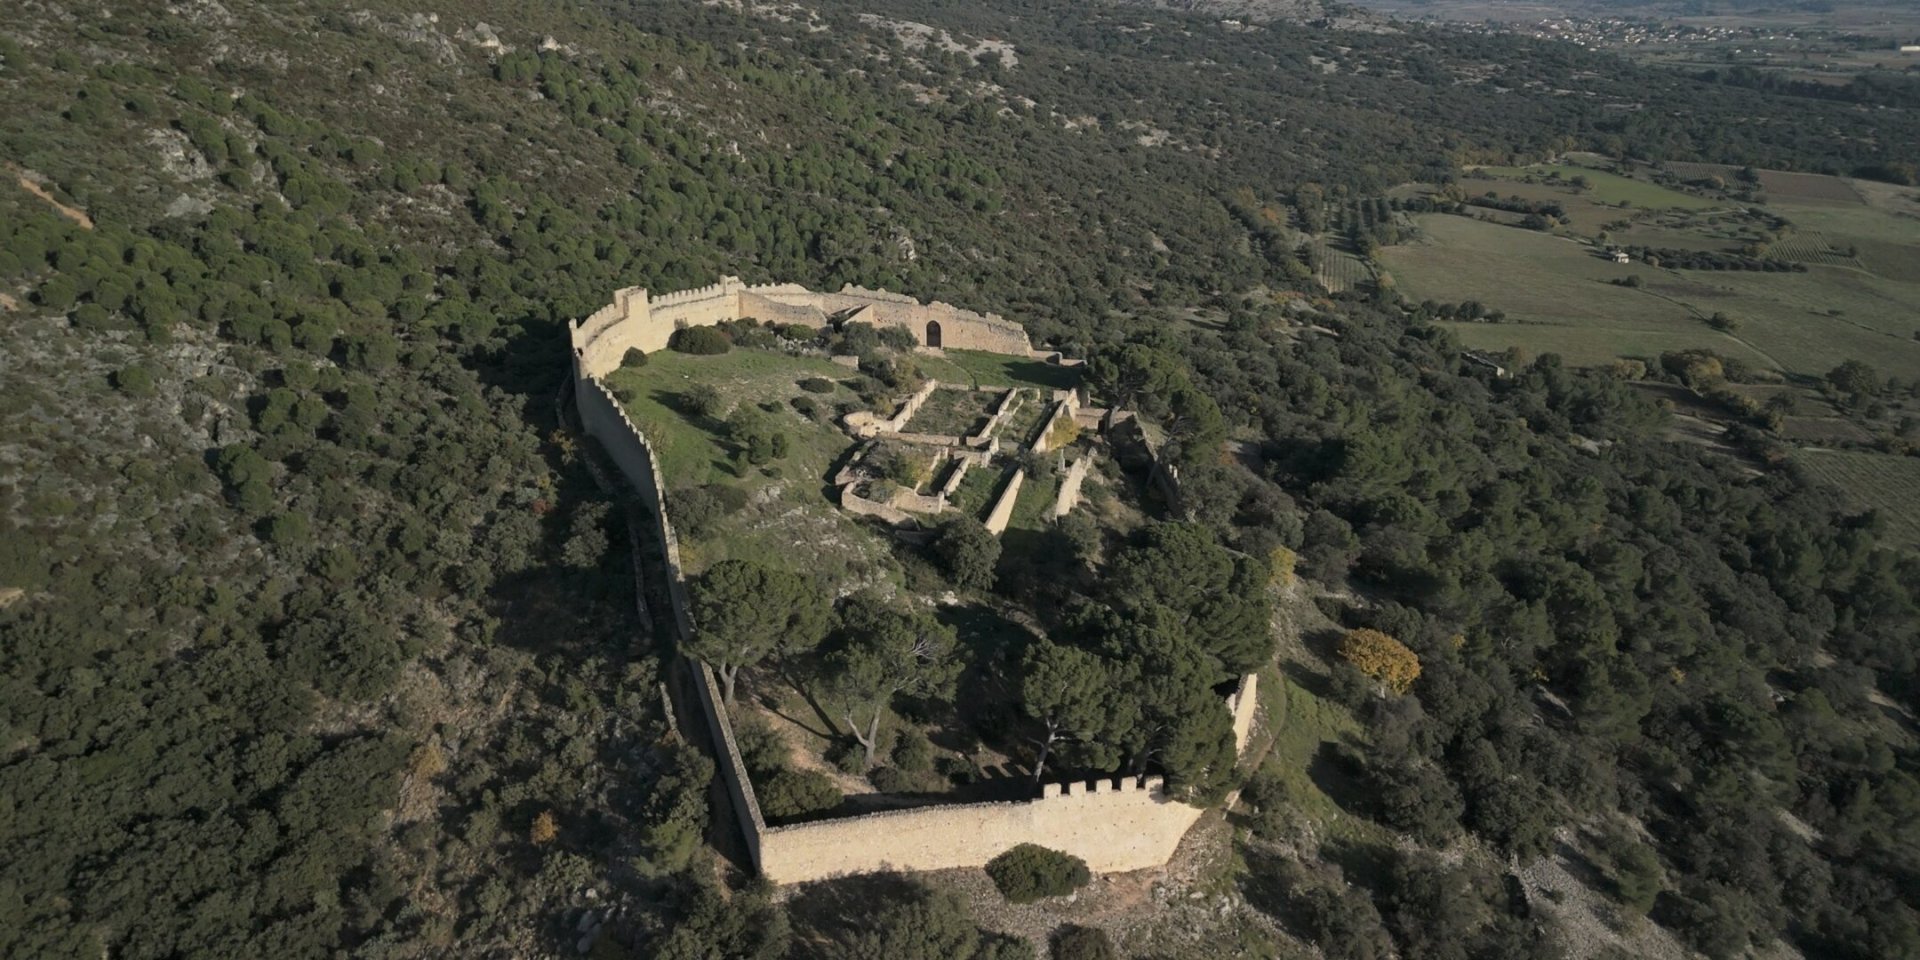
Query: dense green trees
309, 636
744, 612
1074, 696
968, 551
882, 651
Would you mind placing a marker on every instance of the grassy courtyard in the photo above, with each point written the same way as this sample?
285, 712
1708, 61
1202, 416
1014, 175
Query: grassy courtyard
982, 369
788, 518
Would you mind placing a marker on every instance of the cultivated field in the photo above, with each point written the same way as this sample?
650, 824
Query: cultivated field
1882, 482
1865, 307
1812, 246
1556, 293
1339, 271
1610, 188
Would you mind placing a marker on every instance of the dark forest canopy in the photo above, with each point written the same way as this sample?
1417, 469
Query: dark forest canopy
323, 637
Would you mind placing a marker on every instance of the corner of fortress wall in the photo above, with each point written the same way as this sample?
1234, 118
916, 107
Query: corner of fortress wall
1113, 826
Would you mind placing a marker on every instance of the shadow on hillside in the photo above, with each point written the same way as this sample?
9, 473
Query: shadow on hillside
1334, 769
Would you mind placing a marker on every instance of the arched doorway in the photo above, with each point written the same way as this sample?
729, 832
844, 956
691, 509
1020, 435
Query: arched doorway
933, 333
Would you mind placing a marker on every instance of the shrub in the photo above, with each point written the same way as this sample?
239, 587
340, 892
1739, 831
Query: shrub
796, 793
798, 331
914, 752
892, 780
1031, 872
848, 756
761, 748
702, 400
134, 381
702, 341
899, 338
634, 357
969, 553
856, 339
959, 771
695, 510
817, 385
1074, 942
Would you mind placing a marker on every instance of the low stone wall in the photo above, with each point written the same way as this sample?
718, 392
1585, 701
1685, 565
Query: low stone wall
1070, 487
1041, 437
1009, 401
961, 464
1002, 511
918, 502
866, 426
861, 506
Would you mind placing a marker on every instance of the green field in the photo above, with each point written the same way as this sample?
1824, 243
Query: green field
983, 369
1605, 187
1878, 481
1811, 322
1556, 294
1558, 298
1339, 271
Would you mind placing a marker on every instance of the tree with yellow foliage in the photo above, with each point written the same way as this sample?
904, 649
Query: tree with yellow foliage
545, 828
1381, 657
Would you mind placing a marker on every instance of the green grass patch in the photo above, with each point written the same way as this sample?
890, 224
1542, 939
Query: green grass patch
1604, 187
790, 523
1025, 422
1303, 725
692, 449
1035, 500
976, 491
952, 412
982, 369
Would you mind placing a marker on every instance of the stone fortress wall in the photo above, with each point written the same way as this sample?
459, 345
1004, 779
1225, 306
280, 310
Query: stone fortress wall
1113, 824
636, 319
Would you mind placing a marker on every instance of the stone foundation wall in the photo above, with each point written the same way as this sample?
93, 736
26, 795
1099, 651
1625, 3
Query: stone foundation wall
1002, 511
1070, 487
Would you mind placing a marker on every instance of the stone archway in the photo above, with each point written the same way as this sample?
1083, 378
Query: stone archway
933, 334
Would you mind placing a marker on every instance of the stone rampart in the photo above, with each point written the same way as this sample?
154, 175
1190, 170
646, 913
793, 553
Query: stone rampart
1002, 511
1112, 825
636, 319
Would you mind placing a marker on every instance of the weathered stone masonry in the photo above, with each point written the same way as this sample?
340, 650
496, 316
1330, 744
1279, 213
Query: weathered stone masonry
635, 319
1114, 825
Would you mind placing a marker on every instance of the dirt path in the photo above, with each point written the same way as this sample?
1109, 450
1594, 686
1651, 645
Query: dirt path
33, 186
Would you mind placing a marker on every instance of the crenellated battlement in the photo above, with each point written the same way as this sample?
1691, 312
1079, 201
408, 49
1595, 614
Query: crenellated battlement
636, 319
